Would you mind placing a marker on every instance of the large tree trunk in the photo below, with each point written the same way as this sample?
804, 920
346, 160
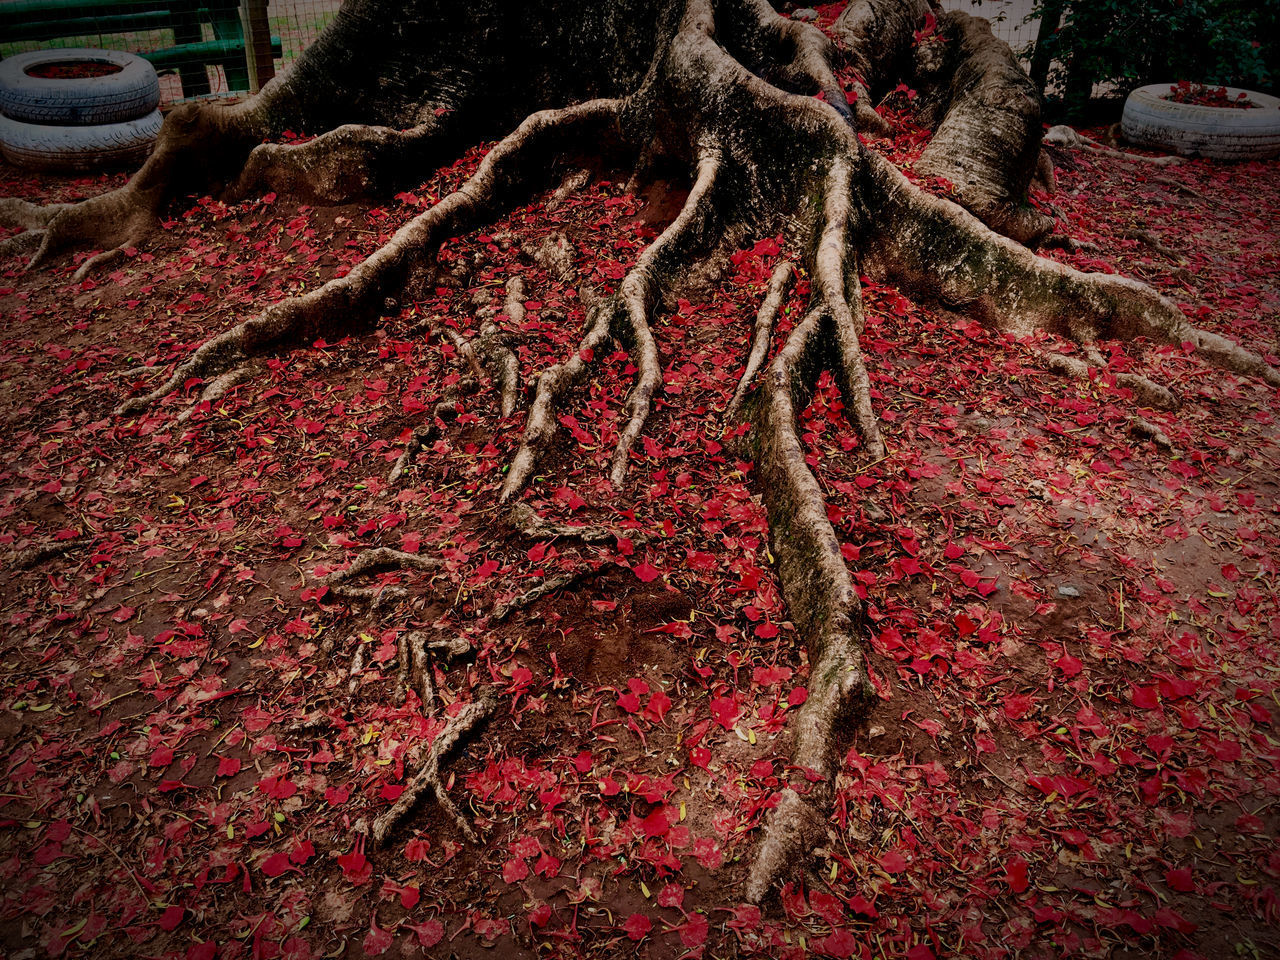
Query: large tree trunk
725, 90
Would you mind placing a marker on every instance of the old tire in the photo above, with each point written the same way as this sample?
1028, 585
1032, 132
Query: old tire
44, 147
128, 94
1220, 133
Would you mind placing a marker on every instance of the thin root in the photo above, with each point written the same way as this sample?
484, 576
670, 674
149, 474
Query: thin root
428, 778
373, 561
1147, 391
783, 274
639, 293
1142, 427
550, 585
216, 390
553, 383
34, 556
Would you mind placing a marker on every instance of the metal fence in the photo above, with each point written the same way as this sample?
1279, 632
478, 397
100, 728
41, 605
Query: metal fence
230, 47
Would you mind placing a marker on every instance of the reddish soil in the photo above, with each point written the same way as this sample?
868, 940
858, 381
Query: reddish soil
1074, 633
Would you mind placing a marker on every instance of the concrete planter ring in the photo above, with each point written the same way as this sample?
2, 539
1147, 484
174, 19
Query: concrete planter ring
1219, 133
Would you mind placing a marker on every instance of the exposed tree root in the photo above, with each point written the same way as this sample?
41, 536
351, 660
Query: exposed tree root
21, 244
353, 301
783, 274
1180, 187
350, 162
548, 586
1148, 392
836, 275
931, 245
526, 520
498, 355
1141, 427
1068, 137
377, 560
461, 725
987, 116
216, 389
640, 292
820, 596
878, 36
490, 353
1060, 241
1154, 242
32, 557
553, 383
724, 85
415, 664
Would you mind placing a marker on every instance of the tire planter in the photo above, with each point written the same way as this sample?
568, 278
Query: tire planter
45, 147
130, 93
1220, 133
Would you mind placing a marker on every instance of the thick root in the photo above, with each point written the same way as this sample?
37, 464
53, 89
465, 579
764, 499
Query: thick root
819, 594
795, 54
21, 244
197, 147
878, 36
933, 246
351, 162
460, 726
28, 215
986, 114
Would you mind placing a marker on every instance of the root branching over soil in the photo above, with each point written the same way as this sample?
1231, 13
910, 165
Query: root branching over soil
461, 725
722, 90
378, 560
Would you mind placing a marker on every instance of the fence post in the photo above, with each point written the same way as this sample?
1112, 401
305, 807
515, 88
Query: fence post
257, 43
1050, 18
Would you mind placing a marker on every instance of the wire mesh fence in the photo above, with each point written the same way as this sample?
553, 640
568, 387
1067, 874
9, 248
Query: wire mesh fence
230, 47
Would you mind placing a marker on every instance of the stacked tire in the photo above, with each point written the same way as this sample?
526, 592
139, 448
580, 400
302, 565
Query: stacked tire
78, 122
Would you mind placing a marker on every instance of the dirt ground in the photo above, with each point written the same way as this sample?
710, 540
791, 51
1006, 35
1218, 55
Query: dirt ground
1073, 631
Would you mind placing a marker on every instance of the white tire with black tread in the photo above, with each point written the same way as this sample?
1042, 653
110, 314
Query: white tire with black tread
43, 147
1219, 133
130, 93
